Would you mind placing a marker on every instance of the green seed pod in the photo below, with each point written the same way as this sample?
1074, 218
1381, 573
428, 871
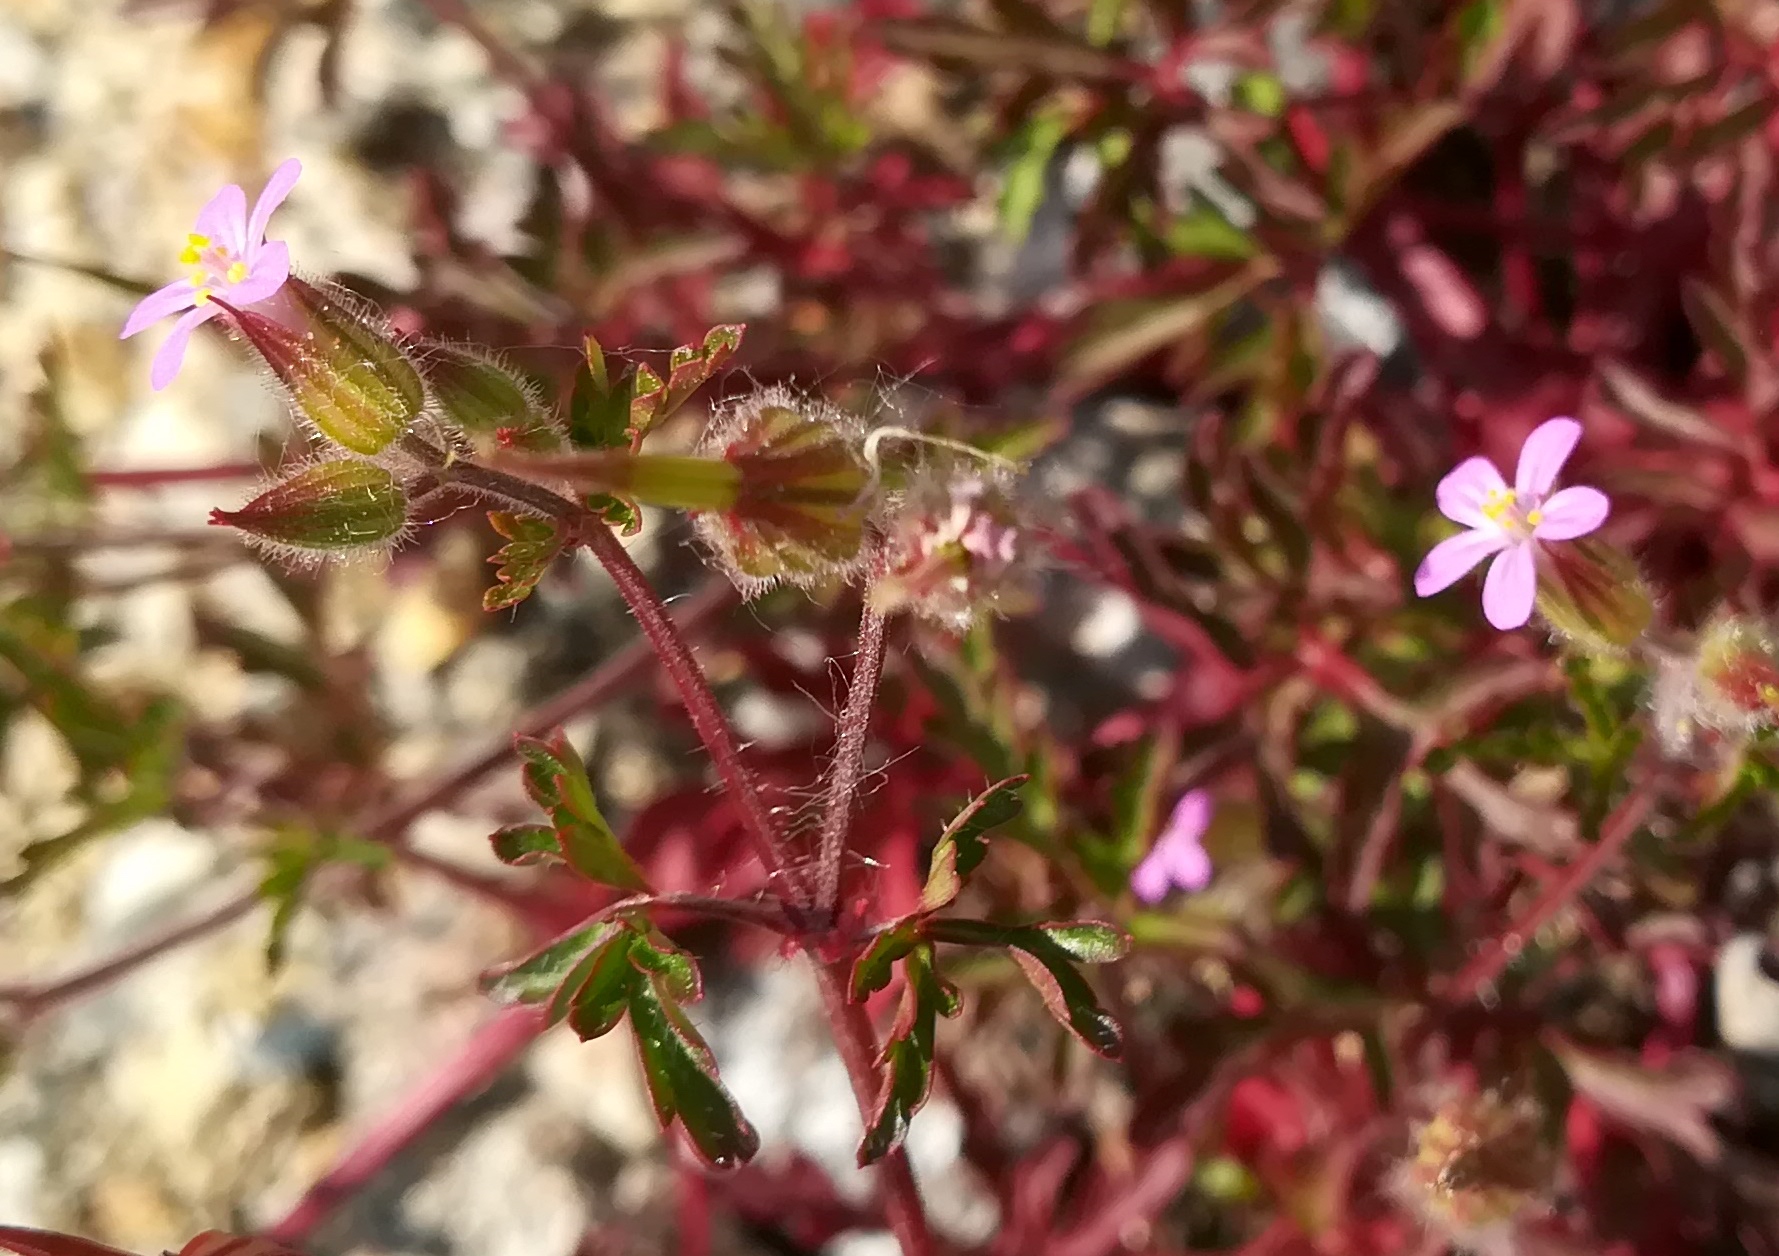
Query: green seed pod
486, 400
341, 366
1593, 594
341, 507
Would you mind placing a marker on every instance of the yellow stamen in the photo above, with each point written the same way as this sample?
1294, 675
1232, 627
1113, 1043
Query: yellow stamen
237, 272
195, 245
200, 296
1497, 504
1533, 517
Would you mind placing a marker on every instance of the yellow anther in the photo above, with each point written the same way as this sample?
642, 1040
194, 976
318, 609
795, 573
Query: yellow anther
237, 272
200, 296
1533, 517
1497, 503
193, 253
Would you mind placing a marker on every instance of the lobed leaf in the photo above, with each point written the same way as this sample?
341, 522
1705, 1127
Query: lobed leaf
963, 845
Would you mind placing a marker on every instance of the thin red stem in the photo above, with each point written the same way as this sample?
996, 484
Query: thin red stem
490, 1051
1499, 952
154, 477
853, 733
31, 1001
853, 1035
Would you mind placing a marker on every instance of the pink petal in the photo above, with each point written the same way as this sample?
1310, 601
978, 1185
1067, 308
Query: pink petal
270, 198
1510, 588
1190, 867
1570, 513
1151, 880
270, 268
224, 219
157, 305
171, 355
1191, 817
1451, 560
1543, 456
1461, 494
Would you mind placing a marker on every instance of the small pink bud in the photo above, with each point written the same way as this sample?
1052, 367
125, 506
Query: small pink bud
1593, 594
341, 365
955, 549
800, 491
1738, 674
337, 507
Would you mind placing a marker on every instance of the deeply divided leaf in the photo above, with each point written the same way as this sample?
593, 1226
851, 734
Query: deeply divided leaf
907, 1057
963, 844
683, 1084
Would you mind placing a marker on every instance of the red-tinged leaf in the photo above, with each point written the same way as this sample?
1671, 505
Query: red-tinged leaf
542, 973
1047, 954
1120, 334
873, 969
691, 366
533, 544
674, 968
683, 1085
1632, 396
645, 402
520, 845
597, 994
557, 781
1675, 1100
976, 49
964, 843
907, 1056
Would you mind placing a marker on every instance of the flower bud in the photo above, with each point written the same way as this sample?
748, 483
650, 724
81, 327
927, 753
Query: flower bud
955, 550
1477, 1168
1738, 674
1593, 594
335, 507
486, 400
800, 488
342, 367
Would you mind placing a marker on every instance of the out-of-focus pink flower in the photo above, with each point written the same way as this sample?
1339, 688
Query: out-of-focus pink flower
228, 256
1178, 860
1511, 523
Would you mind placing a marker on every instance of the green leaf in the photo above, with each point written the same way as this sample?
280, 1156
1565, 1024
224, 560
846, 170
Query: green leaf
598, 409
675, 969
533, 545
597, 992
1047, 954
1204, 232
871, 972
690, 367
557, 781
962, 846
683, 1085
521, 844
907, 1056
539, 975
1029, 152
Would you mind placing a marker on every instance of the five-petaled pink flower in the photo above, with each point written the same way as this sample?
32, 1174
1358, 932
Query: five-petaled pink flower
1511, 522
228, 256
1178, 859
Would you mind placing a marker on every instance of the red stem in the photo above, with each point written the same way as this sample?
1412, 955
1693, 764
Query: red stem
31, 1001
853, 733
853, 1035
488, 1053
154, 477
694, 690
1499, 952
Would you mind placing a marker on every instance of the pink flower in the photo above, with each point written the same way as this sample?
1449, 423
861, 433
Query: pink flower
228, 256
1511, 522
1177, 860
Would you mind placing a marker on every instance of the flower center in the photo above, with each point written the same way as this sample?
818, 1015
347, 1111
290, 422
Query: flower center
212, 265
1505, 510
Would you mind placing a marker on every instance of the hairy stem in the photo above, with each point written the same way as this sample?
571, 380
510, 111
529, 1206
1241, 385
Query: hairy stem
852, 732
664, 636
902, 1207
